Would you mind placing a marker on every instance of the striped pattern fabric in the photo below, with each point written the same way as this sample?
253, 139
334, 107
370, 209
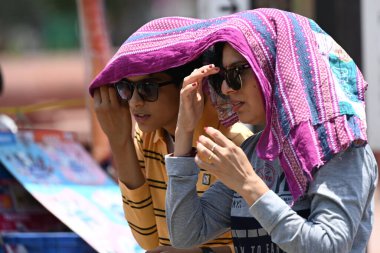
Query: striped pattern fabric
144, 207
313, 91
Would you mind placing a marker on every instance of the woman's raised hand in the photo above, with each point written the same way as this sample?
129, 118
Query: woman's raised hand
228, 162
192, 98
190, 108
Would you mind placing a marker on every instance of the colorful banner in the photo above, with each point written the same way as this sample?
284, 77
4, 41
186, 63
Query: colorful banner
61, 175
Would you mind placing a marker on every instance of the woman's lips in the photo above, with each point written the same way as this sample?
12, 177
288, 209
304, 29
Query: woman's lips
141, 118
236, 106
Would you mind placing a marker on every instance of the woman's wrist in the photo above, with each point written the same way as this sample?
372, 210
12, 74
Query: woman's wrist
183, 142
191, 153
253, 189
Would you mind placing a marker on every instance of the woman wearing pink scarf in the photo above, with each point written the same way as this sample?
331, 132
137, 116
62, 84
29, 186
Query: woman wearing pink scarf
303, 184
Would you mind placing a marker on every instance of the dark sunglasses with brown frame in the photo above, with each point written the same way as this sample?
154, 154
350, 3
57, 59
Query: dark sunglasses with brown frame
147, 89
232, 77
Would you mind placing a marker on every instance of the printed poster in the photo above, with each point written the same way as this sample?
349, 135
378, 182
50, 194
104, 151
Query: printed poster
62, 176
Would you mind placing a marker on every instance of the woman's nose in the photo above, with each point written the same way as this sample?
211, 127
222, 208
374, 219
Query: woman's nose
136, 100
226, 89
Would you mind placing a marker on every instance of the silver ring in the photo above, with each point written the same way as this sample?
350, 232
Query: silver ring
213, 147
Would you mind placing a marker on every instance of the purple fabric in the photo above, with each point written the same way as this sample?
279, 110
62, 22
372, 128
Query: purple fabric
313, 91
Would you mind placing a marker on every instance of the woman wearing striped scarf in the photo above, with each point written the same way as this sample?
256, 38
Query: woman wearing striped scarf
303, 184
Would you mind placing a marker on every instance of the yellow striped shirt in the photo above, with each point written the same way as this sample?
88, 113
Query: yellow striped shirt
144, 207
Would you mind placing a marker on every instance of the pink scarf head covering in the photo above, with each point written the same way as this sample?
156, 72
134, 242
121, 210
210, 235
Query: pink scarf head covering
313, 91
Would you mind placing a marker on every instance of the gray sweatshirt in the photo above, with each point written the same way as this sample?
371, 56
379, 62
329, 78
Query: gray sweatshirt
334, 215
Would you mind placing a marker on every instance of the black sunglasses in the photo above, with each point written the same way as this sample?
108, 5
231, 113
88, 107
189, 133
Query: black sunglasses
232, 77
147, 89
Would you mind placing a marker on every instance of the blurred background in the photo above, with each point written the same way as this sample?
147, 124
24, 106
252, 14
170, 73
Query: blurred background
51, 49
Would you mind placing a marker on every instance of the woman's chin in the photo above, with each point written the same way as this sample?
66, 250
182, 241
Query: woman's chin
248, 119
146, 128
245, 118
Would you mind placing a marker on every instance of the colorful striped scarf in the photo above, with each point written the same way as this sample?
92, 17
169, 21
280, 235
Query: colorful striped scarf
313, 91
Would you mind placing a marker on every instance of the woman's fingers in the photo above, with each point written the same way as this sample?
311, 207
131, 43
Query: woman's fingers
214, 150
192, 84
189, 89
218, 137
198, 74
207, 153
211, 164
209, 144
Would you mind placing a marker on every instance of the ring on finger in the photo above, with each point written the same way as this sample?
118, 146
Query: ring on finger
210, 157
213, 147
